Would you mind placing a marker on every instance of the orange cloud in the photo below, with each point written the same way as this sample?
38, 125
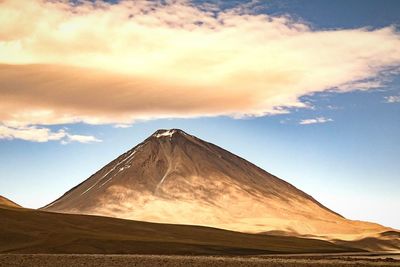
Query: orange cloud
117, 63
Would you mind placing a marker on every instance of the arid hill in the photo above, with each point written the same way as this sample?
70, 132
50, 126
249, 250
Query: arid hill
32, 231
8, 203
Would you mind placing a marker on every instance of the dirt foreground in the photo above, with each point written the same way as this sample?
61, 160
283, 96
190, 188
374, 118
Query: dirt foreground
55, 260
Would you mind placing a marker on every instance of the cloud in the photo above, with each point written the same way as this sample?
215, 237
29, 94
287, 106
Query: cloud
41, 134
102, 63
392, 99
80, 138
315, 120
122, 125
31, 133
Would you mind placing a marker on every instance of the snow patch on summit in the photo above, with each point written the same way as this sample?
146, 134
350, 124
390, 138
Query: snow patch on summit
165, 133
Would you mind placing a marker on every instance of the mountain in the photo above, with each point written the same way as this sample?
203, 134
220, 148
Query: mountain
8, 203
32, 231
174, 177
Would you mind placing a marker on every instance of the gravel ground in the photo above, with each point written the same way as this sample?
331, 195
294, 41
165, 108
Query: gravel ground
43, 260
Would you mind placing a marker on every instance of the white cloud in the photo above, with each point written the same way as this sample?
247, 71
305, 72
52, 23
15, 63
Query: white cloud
315, 120
118, 63
82, 138
122, 125
392, 99
30, 133
41, 134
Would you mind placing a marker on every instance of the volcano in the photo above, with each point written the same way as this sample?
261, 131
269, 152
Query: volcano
174, 177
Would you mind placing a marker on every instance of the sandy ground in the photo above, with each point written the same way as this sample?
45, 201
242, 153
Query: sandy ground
44, 260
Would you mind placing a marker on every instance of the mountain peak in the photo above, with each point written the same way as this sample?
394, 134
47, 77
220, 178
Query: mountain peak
167, 133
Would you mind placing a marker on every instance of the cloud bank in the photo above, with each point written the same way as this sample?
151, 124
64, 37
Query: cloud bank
102, 63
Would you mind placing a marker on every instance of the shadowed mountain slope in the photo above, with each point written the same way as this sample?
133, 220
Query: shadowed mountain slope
32, 231
174, 177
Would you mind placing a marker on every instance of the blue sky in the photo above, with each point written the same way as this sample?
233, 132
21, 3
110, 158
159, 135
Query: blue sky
349, 161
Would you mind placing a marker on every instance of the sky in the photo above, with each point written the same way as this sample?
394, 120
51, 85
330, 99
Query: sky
307, 90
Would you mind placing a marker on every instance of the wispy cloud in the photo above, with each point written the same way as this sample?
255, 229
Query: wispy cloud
42, 134
80, 138
99, 63
392, 99
122, 125
315, 120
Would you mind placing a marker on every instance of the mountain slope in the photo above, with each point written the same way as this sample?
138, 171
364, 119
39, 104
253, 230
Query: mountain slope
32, 231
174, 177
8, 203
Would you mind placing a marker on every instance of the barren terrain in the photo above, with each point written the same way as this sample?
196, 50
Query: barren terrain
43, 260
31, 231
